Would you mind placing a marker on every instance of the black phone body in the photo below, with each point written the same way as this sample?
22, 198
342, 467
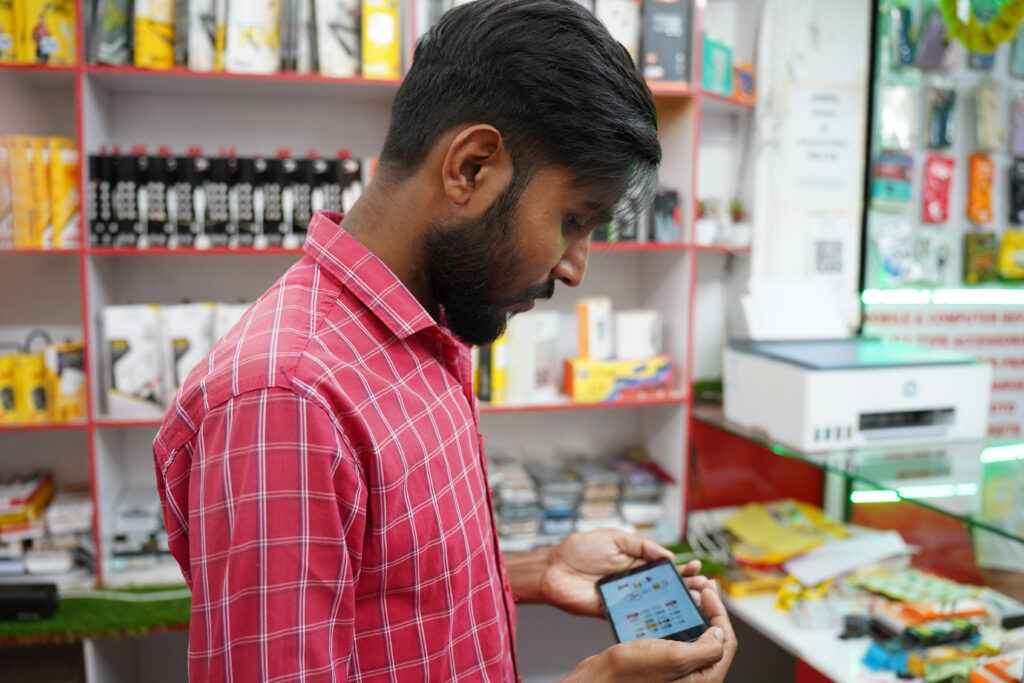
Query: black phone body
651, 601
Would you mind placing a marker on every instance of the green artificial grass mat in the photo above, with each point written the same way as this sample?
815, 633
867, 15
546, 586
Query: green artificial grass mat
85, 617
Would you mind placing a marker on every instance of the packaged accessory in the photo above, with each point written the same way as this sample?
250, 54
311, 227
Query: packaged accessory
64, 231
892, 182
933, 253
186, 338
982, 15
744, 81
241, 204
156, 229
979, 200
131, 335
45, 32
65, 378
40, 192
595, 381
894, 245
114, 29
665, 42
200, 173
667, 217
938, 176
7, 54
23, 204
638, 334
940, 106
220, 15
252, 43
201, 36
716, 68
6, 200
338, 37
1017, 138
217, 225
1011, 255
980, 257
382, 54
898, 129
899, 17
533, 361
989, 128
1017, 192
289, 176
154, 33
31, 393
8, 390
932, 43
302, 191
1017, 55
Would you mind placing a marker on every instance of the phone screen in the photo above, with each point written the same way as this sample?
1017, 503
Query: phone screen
651, 602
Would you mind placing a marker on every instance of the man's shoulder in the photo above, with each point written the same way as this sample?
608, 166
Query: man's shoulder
267, 348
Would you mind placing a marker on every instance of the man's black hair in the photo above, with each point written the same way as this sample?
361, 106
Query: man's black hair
548, 76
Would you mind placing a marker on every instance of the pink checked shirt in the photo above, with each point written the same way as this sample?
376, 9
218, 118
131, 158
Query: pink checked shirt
324, 488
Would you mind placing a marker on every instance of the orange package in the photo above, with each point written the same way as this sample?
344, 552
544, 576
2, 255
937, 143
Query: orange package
979, 198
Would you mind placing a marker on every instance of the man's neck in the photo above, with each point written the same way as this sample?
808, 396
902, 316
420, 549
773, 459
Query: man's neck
389, 221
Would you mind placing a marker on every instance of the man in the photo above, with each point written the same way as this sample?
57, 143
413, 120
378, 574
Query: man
322, 476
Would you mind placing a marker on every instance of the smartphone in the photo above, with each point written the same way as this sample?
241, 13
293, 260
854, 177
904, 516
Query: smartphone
651, 601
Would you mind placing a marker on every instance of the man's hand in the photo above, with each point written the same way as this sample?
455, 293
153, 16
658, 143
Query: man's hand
654, 660
573, 567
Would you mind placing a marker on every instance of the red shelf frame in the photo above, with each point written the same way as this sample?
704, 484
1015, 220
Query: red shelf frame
189, 251
671, 88
638, 246
40, 68
41, 252
283, 76
721, 248
75, 426
673, 398
726, 99
123, 423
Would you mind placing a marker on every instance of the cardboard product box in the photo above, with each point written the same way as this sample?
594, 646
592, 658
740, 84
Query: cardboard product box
638, 333
382, 52
350, 181
338, 37
114, 28
200, 38
135, 380
99, 199
623, 20
326, 191
7, 32
6, 198
32, 397
533, 363
270, 175
126, 225
154, 34
241, 200
186, 336
64, 230
252, 42
218, 229
594, 328
716, 66
596, 381
45, 32
8, 390
665, 41
302, 193
42, 208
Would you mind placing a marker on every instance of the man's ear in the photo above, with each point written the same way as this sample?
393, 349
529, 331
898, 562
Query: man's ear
476, 169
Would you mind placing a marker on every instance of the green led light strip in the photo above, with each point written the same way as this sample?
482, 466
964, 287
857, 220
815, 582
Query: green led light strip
1003, 453
913, 492
955, 297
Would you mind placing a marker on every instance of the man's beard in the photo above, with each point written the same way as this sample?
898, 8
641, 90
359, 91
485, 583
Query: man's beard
469, 262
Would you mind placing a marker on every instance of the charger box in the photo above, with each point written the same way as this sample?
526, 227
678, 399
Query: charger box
136, 380
594, 328
595, 381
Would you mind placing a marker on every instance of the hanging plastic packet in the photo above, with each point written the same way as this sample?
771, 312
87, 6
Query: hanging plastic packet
979, 198
980, 257
1011, 255
1017, 192
892, 182
933, 253
1017, 55
1017, 131
894, 245
986, 102
899, 15
941, 108
938, 176
898, 115
114, 30
932, 43
982, 61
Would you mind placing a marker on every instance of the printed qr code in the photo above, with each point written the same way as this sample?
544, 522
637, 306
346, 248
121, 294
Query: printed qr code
828, 256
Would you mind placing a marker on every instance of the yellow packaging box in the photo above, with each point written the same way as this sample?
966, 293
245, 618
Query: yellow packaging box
8, 391
1011, 255
588, 380
499, 370
31, 507
40, 160
65, 380
382, 54
6, 200
31, 395
45, 32
63, 229
7, 31
154, 34
19, 149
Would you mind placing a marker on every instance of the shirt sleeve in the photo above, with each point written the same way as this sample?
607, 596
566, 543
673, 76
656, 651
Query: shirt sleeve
276, 516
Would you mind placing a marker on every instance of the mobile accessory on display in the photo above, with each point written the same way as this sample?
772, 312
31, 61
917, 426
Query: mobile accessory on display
651, 601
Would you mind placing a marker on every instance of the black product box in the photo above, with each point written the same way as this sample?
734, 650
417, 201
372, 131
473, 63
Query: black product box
326, 191
156, 224
665, 41
270, 175
302, 192
181, 217
241, 201
1017, 192
126, 224
215, 189
28, 602
350, 182
99, 200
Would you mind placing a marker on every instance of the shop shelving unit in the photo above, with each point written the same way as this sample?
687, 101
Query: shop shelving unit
102, 105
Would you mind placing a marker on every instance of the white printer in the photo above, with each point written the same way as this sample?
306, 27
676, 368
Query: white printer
844, 393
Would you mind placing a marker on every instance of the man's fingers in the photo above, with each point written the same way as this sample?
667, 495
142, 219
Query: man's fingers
696, 583
691, 569
669, 658
641, 547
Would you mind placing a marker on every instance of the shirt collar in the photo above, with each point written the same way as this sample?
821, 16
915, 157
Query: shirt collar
365, 275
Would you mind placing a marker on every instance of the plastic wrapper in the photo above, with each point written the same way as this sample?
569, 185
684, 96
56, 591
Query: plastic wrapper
894, 247
932, 254
1017, 192
892, 182
898, 116
1017, 135
113, 32
979, 199
941, 109
988, 116
980, 257
1011, 255
938, 176
932, 44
